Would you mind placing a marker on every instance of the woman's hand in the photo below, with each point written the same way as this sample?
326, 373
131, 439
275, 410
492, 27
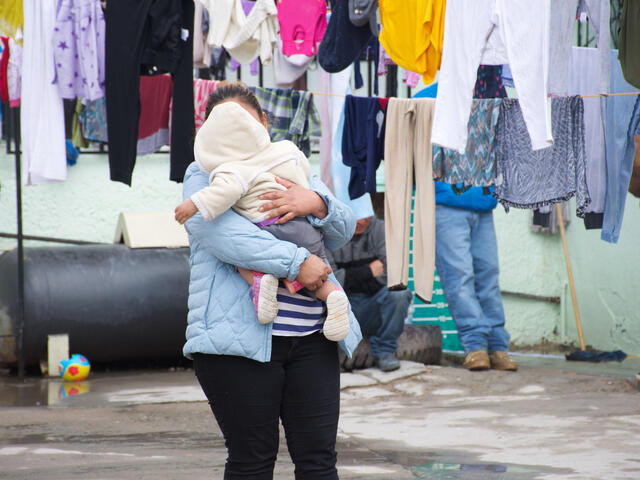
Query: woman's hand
295, 201
313, 272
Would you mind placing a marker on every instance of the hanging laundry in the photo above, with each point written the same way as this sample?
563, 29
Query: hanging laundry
11, 17
364, 12
4, 65
77, 137
562, 36
302, 26
412, 34
44, 157
14, 73
247, 6
153, 126
338, 84
363, 142
234, 65
93, 120
527, 178
621, 123
476, 166
474, 34
244, 36
292, 115
407, 155
201, 90
489, 82
411, 79
342, 41
628, 41
584, 62
287, 70
545, 219
218, 63
634, 182
166, 46
155, 95
201, 49
78, 41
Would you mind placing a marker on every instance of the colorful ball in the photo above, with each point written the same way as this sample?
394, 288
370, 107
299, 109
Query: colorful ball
74, 369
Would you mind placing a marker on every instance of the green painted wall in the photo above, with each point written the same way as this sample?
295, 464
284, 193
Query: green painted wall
607, 280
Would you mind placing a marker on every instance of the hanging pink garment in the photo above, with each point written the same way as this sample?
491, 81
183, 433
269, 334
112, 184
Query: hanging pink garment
201, 90
302, 25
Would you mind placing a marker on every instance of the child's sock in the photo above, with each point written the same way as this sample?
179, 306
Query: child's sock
264, 292
336, 325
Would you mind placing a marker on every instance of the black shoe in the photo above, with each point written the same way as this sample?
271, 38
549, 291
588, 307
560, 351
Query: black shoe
387, 362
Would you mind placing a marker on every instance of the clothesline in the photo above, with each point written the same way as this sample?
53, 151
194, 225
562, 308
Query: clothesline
555, 96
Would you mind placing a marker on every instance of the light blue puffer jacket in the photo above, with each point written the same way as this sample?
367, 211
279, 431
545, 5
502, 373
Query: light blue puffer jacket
221, 317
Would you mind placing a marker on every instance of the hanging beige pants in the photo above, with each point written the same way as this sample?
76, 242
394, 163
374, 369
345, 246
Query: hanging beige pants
407, 152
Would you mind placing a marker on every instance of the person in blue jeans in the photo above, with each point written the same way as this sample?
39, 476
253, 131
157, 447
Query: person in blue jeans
467, 262
360, 266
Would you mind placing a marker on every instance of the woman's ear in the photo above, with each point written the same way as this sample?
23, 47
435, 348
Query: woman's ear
264, 120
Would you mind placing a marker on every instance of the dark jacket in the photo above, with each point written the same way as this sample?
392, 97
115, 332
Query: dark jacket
351, 262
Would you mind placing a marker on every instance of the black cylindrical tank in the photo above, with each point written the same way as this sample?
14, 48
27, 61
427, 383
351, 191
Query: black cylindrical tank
115, 303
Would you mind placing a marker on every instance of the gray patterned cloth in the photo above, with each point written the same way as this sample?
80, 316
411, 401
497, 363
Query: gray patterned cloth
534, 179
476, 166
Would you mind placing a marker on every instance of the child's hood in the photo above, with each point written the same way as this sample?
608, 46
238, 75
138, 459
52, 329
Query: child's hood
230, 134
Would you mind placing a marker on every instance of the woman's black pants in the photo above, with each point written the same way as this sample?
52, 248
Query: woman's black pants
300, 385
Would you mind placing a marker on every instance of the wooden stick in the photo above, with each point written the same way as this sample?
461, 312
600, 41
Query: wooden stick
574, 299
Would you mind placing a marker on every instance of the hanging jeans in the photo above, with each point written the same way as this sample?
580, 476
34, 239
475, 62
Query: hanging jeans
474, 32
621, 124
143, 35
300, 385
467, 262
407, 152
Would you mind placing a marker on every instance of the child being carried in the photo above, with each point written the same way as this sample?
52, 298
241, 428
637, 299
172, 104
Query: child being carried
234, 148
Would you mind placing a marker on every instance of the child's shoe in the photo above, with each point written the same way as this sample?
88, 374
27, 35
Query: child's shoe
264, 292
336, 325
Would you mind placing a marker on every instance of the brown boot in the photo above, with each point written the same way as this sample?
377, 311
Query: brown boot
477, 360
501, 360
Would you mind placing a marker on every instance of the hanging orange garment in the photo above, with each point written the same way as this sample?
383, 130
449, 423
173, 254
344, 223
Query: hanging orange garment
11, 18
412, 32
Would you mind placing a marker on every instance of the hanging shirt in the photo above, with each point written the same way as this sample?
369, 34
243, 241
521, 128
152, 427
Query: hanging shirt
201, 90
302, 26
363, 142
245, 37
292, 115
412, 34
529, 178
493, 32
78, 46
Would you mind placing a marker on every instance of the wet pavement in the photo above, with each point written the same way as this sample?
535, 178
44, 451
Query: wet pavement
551, 420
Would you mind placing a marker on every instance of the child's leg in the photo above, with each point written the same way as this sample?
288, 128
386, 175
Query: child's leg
246, 274
264, 293
325, 289
336, 325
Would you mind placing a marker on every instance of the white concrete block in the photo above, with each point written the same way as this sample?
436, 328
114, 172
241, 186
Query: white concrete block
57, 350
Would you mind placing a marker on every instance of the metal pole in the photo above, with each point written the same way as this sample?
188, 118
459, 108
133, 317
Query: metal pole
16, 131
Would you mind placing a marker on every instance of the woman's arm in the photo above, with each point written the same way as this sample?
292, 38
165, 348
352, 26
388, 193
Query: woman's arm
235, 240
318, 204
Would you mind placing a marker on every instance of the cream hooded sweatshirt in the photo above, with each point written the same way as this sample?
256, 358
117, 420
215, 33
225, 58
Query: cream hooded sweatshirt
242, 162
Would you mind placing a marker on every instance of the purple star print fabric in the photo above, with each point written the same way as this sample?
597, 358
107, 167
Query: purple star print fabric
78, 44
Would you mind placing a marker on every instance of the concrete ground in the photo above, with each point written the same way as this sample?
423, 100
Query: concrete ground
550, 420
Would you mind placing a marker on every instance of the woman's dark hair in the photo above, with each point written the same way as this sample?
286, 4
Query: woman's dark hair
228, 91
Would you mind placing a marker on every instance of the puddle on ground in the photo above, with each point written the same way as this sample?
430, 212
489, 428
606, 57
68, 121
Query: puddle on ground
457, 466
